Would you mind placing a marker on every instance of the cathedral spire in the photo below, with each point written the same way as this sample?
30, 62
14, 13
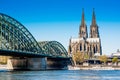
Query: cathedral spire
83, 19
93, 18
83, 28
94, 33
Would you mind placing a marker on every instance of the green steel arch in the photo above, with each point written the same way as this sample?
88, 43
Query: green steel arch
53, 48
15, 37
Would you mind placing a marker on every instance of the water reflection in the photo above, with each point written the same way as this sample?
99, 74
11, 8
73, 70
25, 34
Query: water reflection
60, 75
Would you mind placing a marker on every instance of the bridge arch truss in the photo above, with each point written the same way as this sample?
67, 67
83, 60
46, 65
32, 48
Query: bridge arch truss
53, 48
15, 37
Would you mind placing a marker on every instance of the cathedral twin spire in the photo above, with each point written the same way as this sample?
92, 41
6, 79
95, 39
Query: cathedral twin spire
83, 27
83, 44
94, 33
93, 18
83, 19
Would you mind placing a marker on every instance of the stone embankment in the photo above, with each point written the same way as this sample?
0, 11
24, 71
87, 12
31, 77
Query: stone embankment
93, 68
3, 67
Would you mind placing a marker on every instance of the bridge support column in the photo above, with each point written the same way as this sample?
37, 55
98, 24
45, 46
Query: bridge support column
17, 64
56, 63
37, 63
42, 63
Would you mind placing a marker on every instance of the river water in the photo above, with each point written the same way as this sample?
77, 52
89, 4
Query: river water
61, 75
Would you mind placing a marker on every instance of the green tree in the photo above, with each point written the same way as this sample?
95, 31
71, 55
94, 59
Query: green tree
103, 58
86, 56
73, 59
115, 60
78, 57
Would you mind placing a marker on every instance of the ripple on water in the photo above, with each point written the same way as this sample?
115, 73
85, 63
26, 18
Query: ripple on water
60, 75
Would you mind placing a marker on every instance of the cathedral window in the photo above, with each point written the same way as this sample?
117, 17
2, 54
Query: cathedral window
83, 32
94, 50
88, 49
80, 47
84, 47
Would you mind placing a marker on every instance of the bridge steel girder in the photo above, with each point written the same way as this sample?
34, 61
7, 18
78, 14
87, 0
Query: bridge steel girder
15, 38
54, 48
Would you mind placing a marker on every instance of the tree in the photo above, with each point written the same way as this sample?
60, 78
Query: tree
3, 59
103, 58
78, 57
115, 60
86, 56
73, 59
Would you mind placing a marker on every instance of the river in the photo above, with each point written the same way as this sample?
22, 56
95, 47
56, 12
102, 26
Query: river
61, 75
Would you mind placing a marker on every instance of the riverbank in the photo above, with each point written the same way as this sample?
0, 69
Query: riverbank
93, 68
3, 68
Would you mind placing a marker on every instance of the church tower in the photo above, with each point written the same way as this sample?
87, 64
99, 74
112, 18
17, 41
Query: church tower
69, 47
88, 45
94, 40
94, 33
83, 28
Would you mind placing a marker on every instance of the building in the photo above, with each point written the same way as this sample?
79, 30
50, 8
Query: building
117, 54
84, 44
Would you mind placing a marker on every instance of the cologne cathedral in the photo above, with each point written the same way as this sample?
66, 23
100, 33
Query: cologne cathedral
89, 45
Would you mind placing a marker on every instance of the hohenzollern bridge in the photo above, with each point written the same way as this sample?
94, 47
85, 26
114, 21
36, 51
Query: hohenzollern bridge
26, 53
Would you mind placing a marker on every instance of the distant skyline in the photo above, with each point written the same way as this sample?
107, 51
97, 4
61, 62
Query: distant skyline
60, 19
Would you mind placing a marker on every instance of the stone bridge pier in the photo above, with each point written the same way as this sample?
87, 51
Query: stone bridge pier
17, 63
42, 63
36, 63
56, 63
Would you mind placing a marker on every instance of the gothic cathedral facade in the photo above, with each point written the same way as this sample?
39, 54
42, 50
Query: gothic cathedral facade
84, 44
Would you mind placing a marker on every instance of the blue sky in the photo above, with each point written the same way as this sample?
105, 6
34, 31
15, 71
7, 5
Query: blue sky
60, 19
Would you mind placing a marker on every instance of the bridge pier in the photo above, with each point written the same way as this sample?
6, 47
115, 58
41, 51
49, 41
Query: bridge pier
37, 63
56, 63
42, 63
46, 63
17, 64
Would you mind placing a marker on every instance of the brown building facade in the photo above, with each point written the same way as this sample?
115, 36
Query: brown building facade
84, 44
